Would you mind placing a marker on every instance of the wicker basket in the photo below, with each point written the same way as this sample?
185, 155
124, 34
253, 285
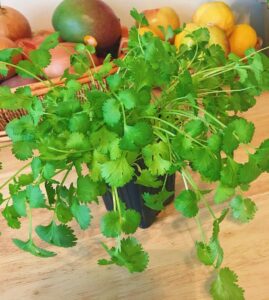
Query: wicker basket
38, 89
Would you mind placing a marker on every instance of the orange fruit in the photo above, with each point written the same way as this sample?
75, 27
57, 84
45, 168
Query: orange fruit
242, 38
215, 13
163, 16
143, 30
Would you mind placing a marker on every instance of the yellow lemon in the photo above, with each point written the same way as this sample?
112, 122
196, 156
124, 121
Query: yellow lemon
242, 38
217, 36
182, 37
215, 13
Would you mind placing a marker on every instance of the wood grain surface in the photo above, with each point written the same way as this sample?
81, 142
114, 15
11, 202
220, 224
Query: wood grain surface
173, 272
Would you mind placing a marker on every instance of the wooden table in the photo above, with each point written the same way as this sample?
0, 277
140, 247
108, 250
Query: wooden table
173, 273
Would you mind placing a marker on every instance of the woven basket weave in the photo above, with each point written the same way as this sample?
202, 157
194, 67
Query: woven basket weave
40, 89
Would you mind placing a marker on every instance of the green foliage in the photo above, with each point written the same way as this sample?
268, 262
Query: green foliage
130, 255
156, 201
243, 210
187, 203
30, 247
113, 223
165, 110
58, 235
225, 286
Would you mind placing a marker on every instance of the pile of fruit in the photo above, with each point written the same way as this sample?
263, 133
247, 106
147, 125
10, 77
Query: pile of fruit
216, 16
94, 23
77, 21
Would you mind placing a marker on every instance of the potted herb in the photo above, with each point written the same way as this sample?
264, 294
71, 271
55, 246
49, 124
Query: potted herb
191, 124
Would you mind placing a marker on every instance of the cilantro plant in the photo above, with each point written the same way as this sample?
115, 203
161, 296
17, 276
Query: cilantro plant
177, 110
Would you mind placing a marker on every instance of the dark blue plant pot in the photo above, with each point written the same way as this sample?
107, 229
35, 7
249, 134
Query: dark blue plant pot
131, 195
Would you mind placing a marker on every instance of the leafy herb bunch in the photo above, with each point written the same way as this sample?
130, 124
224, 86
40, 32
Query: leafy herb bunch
174, 109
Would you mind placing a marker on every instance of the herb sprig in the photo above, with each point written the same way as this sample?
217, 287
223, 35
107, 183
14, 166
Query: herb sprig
192, 123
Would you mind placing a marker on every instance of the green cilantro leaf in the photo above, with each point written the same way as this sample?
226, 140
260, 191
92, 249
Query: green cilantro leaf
27, 69
195, 127
23, 150
36, 166
40, 58
63, 212
30, 247
48, 171
243, 210
225, 286
58, 235
114, 223
156, 201
117, 172
249, 171
14, 101
25, 179
214, 143
261, 156
127, 98
207, 163
50, 41
110, 224
223, 193
11, 216
114, 82
205, 253
182, 146
102, 139
147, 179
238, 131
19, 203
81, 214
229, 173
130, 255
77, 141
79, 123
136, 137
139, 17
186, 203
35, 196
130, 221
157, 158
111, 112
88, 190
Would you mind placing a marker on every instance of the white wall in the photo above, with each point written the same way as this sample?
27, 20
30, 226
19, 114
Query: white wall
39, 12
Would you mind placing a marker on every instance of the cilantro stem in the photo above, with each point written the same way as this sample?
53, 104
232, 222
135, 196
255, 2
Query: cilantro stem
197, 218
199, 225
195, 54
223, 91
12, 177
25, 71
114, 200
139, 40
66, 174
164, 130
174, 127
186, 175
123, 114
209, 208
164, 182
30, 223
